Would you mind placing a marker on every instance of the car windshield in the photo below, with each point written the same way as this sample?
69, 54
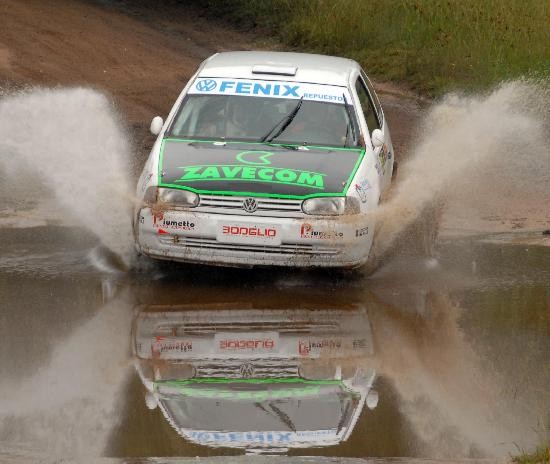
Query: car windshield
239, 408
247, 118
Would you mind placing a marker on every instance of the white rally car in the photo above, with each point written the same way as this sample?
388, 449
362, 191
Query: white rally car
266, 158
256, 379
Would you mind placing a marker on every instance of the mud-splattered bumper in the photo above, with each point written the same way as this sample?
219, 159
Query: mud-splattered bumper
236, 240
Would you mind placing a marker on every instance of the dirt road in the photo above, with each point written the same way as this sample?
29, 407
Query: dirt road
140, 55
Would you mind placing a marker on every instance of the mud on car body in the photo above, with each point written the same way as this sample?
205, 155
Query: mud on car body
256, 379
267, 158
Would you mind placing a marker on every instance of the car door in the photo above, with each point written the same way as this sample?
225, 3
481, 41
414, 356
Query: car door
374, 117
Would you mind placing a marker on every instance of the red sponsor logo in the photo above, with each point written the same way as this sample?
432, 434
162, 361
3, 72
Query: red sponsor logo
257, 344
157, 217
249, 231
307, 231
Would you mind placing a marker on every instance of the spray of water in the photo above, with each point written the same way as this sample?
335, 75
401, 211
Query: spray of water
456, 405
69, 406
477, 154
66, 147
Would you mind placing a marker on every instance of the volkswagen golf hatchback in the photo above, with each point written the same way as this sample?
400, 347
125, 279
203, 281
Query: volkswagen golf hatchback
267, 158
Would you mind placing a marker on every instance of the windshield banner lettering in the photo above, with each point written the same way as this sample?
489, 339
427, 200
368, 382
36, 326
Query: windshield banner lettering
204, 436
272, 89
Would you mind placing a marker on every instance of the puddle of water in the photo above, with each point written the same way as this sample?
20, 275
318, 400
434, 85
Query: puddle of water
453, 347
67, 404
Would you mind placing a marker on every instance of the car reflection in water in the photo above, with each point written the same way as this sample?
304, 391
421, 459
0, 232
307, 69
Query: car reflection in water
262, 380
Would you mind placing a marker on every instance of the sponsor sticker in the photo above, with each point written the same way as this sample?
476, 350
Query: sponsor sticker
384, 155
361, 189
174, 224
233, 232
271, 89
314, 346
166, 347
308, 231
245, 343
205, 168
254, 166
164, 222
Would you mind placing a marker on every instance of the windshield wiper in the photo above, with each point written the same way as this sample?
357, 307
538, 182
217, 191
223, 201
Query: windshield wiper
284, 145
350, 122
343, 415
283, 417
285, 122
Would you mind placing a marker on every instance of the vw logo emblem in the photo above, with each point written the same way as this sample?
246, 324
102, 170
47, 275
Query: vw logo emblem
250, 205
206, 85
246, 370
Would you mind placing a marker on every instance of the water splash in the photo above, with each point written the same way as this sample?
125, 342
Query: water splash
67, 145
457, 406
70, 405
477, 155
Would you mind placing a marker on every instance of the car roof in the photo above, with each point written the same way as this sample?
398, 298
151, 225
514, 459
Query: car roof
318, 69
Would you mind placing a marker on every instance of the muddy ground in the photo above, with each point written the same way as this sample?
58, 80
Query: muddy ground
140, 53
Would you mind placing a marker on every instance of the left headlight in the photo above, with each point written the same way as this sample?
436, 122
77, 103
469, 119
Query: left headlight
330, 206
174, 197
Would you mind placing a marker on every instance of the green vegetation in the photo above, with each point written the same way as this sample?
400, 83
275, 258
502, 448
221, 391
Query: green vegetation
433, 45
541, 456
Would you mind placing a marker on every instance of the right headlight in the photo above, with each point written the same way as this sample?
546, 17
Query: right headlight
172, 197
331, 206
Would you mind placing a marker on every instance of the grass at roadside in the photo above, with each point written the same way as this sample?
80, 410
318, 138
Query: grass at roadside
542, 455
433, 45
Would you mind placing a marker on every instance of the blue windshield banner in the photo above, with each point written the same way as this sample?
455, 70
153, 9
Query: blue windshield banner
271, 89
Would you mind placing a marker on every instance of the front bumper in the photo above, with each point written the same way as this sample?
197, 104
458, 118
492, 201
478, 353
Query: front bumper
238, 240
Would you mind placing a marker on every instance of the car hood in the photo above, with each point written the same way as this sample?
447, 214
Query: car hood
255, 169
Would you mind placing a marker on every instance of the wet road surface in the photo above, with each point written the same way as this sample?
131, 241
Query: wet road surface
457, 348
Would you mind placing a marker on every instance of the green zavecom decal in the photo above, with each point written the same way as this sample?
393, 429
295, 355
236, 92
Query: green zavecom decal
247, 157
259, 395
254, 166
188, 387
252, 174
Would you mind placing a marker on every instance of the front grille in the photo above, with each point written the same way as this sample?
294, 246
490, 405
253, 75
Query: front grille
263, 369
213, 244
273, 207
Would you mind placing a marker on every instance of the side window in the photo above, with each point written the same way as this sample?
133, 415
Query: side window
367, 106
377, 104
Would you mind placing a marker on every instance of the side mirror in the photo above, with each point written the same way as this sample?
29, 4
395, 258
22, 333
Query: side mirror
377, 138
150, 401
156, 125
372, 399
